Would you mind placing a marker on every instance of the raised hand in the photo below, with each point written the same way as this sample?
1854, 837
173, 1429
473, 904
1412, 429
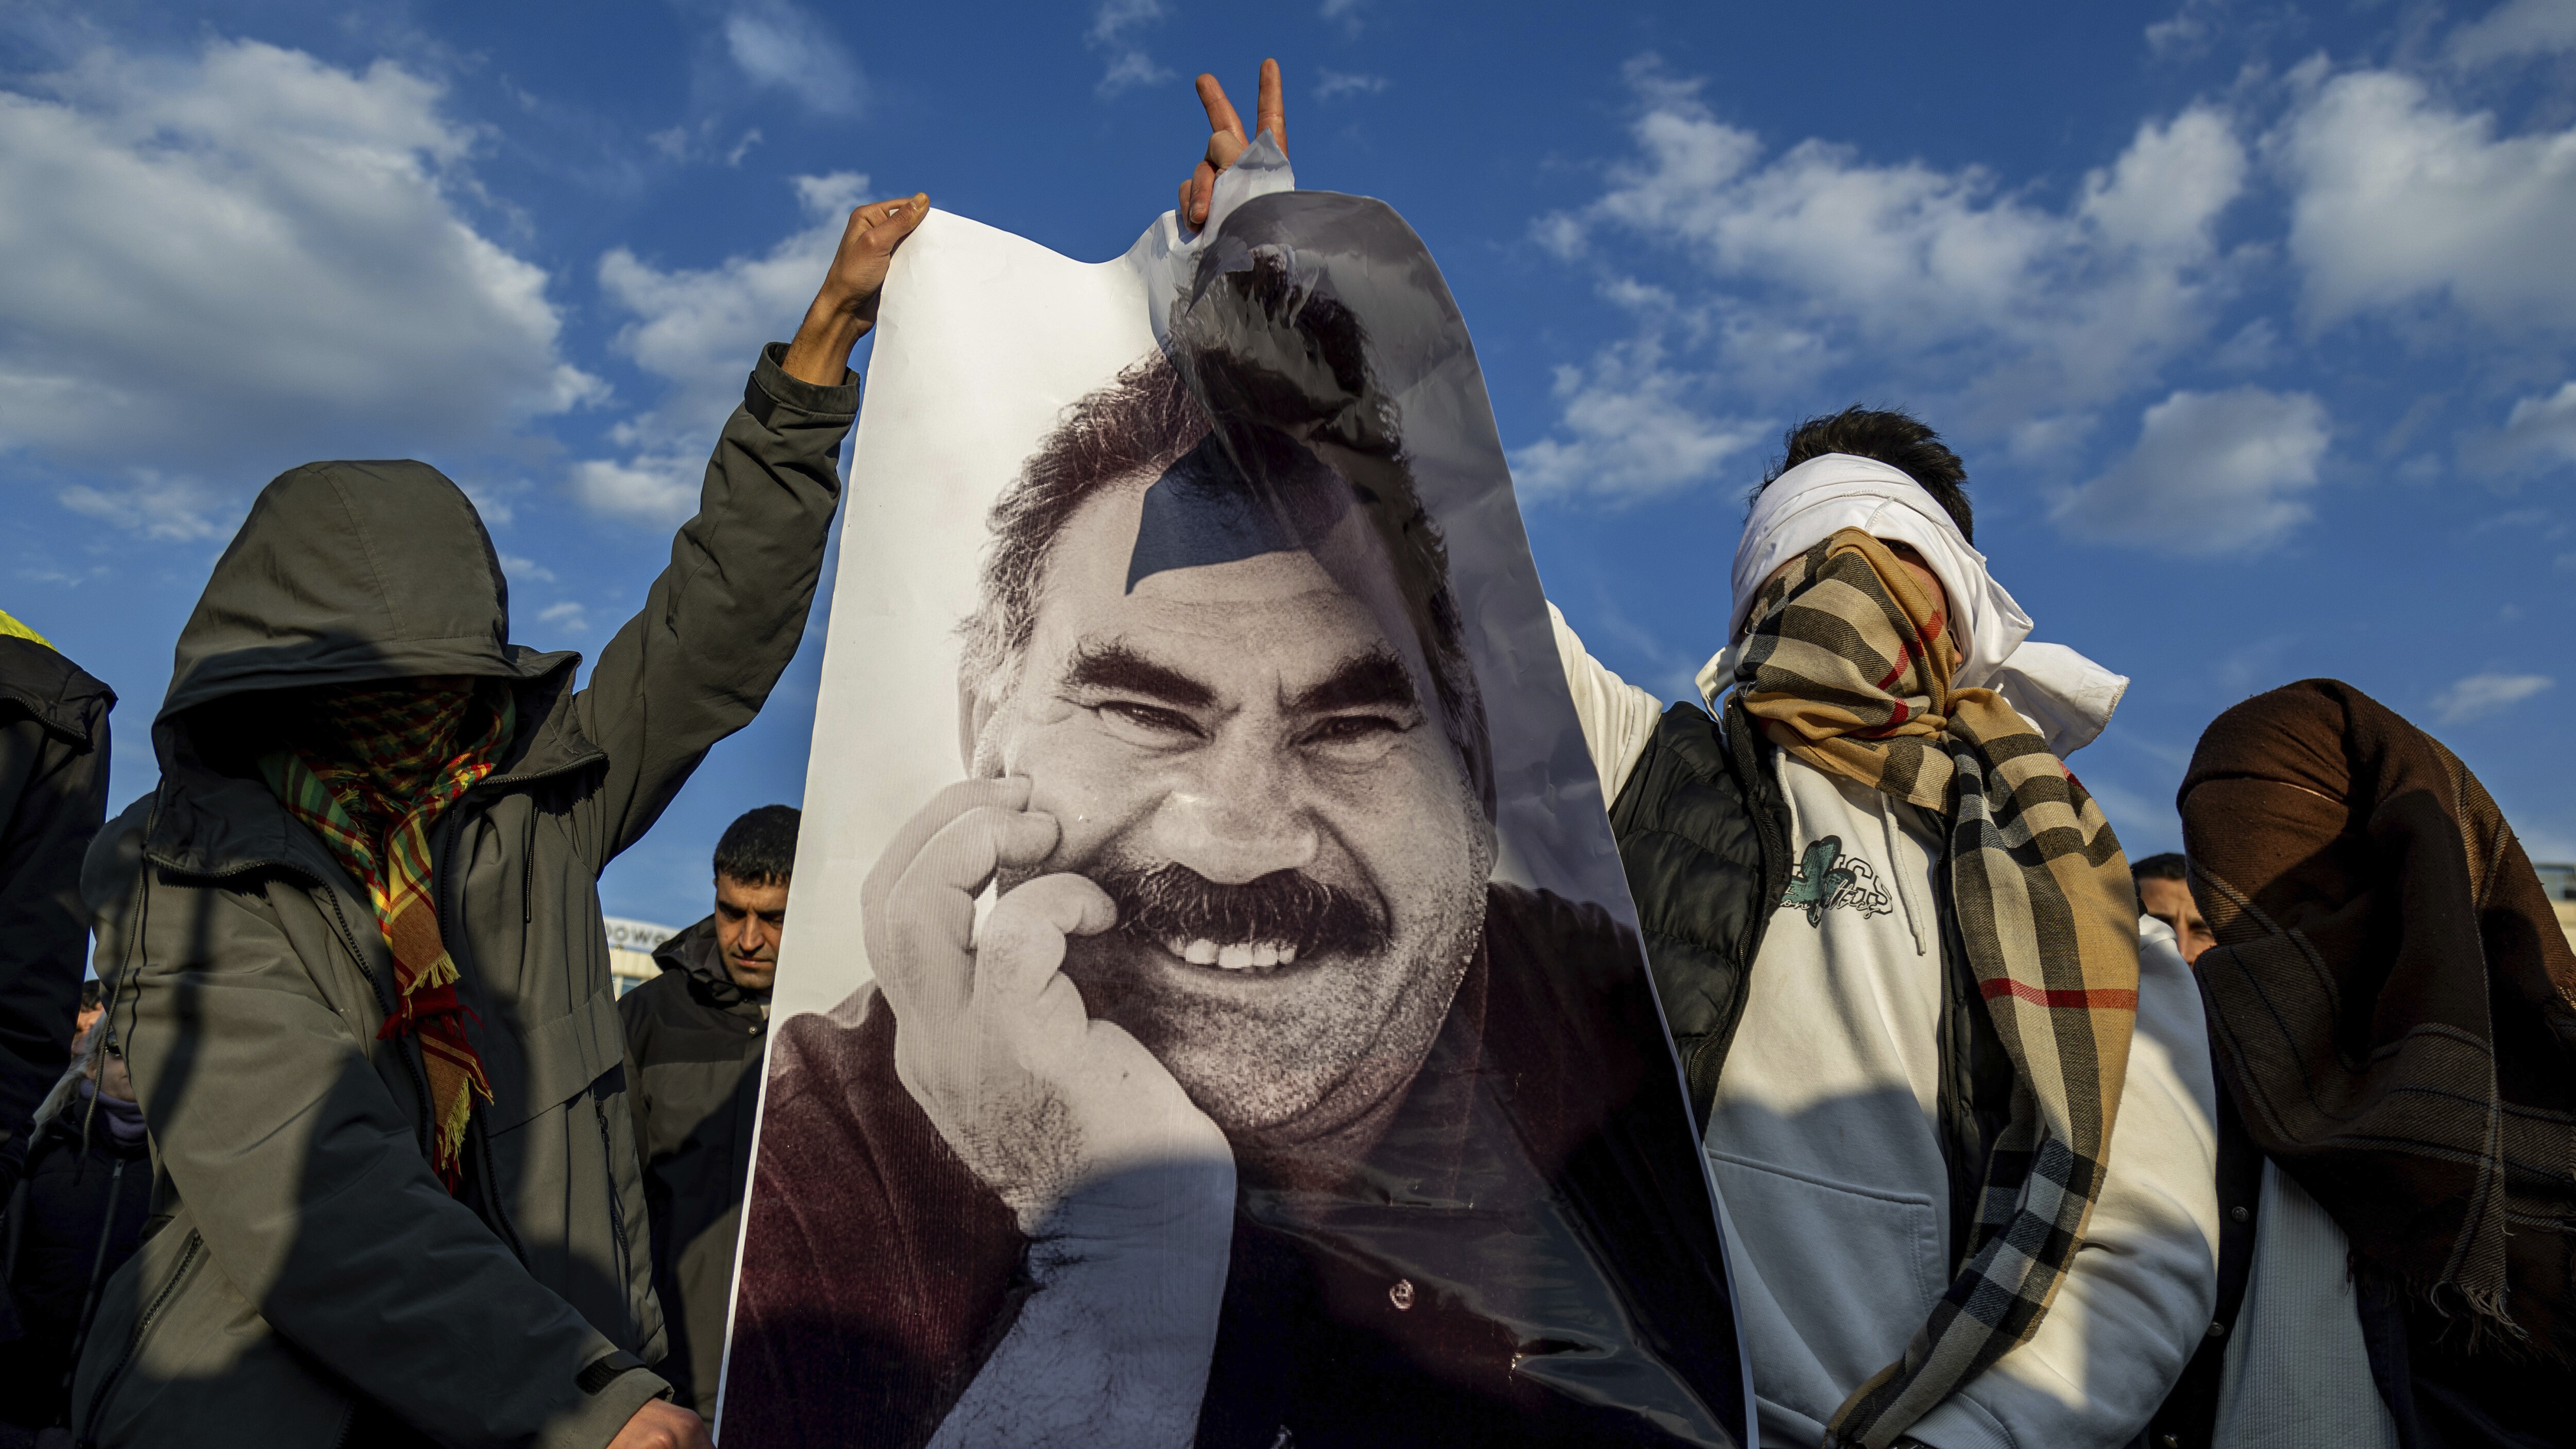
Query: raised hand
1044, 1104
1226, 140
845, 307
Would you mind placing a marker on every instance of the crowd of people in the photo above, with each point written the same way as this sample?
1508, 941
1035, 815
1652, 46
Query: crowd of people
2019, 1142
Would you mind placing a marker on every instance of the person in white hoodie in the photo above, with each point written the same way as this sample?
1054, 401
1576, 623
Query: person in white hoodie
1958, 1113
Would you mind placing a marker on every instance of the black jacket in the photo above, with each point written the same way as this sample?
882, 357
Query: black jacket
693, 1045
1703, 830
75, 1218
53, 794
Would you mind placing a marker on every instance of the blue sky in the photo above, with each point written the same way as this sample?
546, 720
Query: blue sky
2254, 323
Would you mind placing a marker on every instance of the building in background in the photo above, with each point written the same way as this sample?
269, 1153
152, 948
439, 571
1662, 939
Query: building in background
631, 943
2560, 882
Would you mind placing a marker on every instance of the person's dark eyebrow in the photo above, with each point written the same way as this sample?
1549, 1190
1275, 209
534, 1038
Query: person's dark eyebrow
1115, 668
1374, 680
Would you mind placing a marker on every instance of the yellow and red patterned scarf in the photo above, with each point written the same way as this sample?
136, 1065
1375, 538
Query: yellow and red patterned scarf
369, 770
1848, 667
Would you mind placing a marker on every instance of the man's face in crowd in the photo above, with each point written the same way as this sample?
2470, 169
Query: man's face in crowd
2170, 901
748, 920
1259, 778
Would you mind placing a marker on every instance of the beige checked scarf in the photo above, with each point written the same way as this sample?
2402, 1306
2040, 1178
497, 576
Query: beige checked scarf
372, 768
1848, 668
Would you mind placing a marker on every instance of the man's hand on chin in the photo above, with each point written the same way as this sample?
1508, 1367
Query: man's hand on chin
1070, 1121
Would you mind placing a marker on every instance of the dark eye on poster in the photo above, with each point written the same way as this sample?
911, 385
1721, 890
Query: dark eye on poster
1219, 1017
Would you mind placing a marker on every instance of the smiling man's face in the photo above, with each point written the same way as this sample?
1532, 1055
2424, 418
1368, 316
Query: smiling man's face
1257, 774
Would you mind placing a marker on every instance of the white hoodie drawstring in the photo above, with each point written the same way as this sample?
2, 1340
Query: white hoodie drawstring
1897, 867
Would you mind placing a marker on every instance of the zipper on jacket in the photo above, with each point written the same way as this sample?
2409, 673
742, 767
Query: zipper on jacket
411, 1064
97, 1271
143, 1329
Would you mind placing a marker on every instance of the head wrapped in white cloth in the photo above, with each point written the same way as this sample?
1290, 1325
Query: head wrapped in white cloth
2067, 696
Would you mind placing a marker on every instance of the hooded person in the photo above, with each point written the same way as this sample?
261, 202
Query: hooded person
1899, 952
694, 1036
2393, 1009
53, 795
362, 975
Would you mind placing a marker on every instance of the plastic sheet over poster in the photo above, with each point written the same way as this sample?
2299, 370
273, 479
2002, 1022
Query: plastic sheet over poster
1213, 1010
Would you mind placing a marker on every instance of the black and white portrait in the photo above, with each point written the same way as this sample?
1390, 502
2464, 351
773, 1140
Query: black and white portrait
1215, 1031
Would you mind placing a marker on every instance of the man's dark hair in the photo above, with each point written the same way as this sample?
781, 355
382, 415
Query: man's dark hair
93, 992
1149, 419
760, 848
1894, 438
2167, 866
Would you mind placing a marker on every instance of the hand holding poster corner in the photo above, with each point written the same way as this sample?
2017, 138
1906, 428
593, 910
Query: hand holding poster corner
1214, 1012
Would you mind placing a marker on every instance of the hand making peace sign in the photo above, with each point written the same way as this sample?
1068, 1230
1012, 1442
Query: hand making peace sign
1226, 140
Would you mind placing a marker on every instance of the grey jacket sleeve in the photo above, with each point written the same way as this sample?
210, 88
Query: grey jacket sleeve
53, 793
307, 1185
722, 621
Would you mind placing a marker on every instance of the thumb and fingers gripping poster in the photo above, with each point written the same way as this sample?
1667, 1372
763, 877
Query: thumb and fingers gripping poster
1213, 1012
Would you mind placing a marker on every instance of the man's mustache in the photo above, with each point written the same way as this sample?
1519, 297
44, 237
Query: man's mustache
1286, 908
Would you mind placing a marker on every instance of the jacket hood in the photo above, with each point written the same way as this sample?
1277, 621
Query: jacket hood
58, 694
696, 953
346, 572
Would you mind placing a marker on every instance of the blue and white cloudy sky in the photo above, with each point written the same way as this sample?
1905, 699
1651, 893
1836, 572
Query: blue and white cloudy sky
2255, 323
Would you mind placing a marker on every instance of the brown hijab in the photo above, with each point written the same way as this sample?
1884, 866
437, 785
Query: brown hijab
2393, 1003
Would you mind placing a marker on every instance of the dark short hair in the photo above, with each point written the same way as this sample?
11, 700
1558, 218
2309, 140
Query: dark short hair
93, 993
2168, 866
1895, 438
759, 849
1149, 418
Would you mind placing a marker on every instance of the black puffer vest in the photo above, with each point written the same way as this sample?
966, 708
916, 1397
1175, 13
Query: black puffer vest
1704, 832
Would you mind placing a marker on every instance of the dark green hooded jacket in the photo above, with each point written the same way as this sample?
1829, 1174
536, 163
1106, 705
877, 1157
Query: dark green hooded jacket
305, 1279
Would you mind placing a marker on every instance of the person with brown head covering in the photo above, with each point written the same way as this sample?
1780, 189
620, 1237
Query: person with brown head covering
2393, 1012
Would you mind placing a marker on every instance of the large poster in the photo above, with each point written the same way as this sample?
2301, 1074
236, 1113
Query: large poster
1212, 1010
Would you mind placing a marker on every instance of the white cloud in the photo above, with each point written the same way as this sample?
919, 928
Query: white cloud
656, 489
248, 258
1128, 64
779, 45
2539, 430
566, 615
681, 144
2398, 198
1333, 83
699, 332
2480, 695
168, 509
2514, 30
1946, 278
2212, 473
2186, 32
1628, 431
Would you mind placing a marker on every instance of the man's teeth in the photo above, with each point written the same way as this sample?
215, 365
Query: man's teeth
1234, 956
